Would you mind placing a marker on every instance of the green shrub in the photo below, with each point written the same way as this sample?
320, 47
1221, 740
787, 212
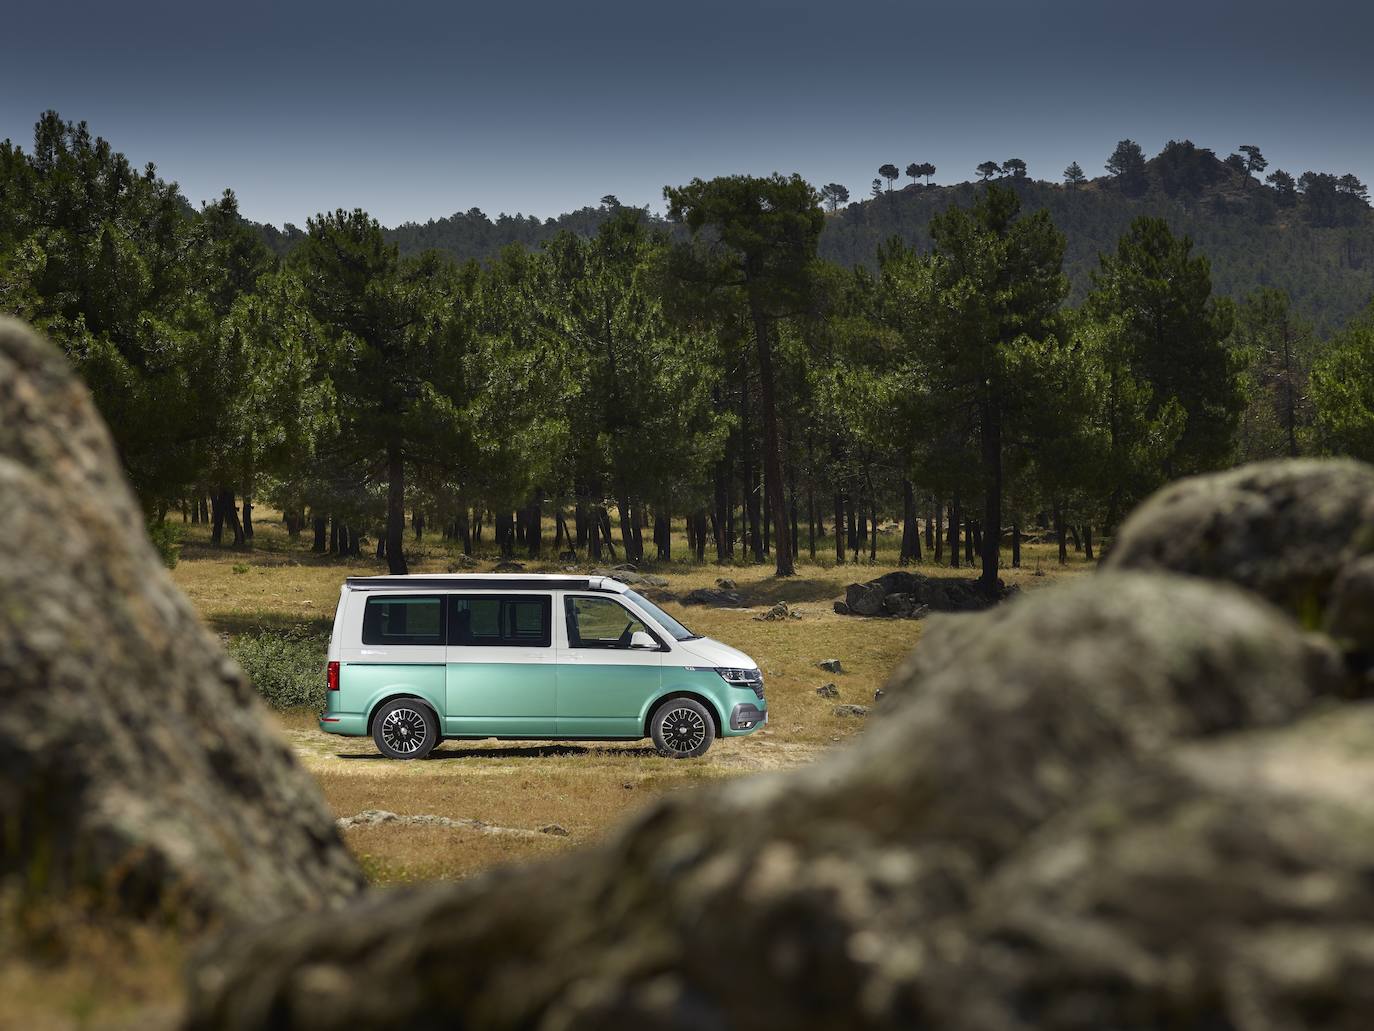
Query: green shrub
166, 541
286, 666
239, 568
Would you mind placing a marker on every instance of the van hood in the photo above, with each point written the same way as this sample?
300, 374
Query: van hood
713, 653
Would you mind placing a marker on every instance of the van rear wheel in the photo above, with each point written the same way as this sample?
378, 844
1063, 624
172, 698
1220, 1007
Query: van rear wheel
405, 729
682, 728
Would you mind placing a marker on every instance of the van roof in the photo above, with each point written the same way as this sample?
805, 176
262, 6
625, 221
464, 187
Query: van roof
485, 581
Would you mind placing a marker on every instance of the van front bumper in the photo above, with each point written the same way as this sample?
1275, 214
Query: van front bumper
745, 717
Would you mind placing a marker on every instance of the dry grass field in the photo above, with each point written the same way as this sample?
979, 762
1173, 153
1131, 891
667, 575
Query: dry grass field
582, 788
59, 971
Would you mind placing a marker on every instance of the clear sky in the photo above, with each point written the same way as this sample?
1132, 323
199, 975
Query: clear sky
416, 110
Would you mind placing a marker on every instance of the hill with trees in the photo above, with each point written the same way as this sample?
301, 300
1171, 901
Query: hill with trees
1311, 236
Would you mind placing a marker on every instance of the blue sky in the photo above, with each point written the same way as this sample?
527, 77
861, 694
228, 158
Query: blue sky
417, 110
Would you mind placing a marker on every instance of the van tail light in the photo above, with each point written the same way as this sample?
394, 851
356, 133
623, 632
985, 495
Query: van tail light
331, 676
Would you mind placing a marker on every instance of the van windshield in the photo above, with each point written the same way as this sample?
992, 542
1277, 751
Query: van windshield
676, 630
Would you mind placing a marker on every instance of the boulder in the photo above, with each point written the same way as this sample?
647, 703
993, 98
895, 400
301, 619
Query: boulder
1195, 894
1283, 529
904, 595
866, 890
830, 665
849, 710
137, 765
828, 691
717, 598
865, 599
898, 604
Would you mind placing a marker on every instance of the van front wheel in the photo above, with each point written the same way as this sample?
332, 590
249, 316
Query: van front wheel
405, 729
682, 728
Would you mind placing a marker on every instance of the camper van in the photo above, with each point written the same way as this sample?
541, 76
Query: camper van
416, 659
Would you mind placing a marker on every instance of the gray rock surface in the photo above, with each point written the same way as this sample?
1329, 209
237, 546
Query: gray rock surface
913, 595
136, 763
925, 877
718, 598
1284, 529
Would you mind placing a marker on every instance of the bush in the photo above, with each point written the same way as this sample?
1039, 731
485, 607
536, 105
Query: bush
285, 666
166, 541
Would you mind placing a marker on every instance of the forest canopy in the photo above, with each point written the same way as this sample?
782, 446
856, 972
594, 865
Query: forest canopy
775, 371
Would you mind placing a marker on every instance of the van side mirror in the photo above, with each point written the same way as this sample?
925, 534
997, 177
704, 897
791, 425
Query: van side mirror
640, 639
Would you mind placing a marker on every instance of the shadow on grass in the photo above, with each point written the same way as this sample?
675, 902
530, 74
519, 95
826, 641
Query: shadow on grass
550, 751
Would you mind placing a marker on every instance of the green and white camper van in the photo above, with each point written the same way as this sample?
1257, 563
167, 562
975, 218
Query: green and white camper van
416, 659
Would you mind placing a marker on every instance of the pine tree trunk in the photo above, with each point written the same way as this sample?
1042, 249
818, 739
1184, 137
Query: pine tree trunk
1059, 534
395, 509
1015, 544
217, 531
911, 533
321, 527
873, 532
938, 533
954, 519
991, 530
839, 528
604, 517
1088, 541
718, 517
811, 521
247, 518
663, 536
772, 458
505, 534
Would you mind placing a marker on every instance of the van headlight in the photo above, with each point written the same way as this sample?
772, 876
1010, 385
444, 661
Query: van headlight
750, 678
740, 677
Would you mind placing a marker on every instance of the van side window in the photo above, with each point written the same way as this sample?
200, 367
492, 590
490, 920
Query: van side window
524, 621
414, 620
600, 623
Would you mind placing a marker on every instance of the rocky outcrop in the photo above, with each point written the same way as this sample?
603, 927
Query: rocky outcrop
136, 763
1287, 530
913, 595
1103, 728
715, 597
